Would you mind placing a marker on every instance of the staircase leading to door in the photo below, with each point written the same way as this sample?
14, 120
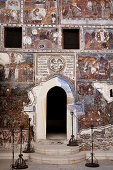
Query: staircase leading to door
56, 152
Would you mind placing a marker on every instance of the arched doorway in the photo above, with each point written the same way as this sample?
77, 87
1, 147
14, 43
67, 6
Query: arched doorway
39, 97
56, 111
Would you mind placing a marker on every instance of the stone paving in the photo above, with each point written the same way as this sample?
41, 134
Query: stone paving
104, 165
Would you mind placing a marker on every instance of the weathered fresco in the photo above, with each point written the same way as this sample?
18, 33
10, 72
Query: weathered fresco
93, 66
6, 137
10, 11
41, 38
111, 68
40, 11
16, 67
98, 111
96, 39
96, 9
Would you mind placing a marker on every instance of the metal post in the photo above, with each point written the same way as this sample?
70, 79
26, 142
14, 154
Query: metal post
20, 162
12, 149
92, 144
72, 124
21, 140
92, 163
72, 141
29, 149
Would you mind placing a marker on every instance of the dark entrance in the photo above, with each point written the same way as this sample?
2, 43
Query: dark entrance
56, 110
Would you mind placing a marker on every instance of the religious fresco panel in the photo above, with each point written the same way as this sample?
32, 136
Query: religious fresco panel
95, 9
10, 11
110, 59
93, 67
98, 39
17, 67
40, 11
41, 38
111, 69
98, 110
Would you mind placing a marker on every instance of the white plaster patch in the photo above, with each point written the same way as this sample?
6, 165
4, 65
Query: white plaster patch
4, 59
96, 129
104, 89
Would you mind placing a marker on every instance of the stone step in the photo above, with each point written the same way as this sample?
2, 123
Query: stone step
56, 150
8, 155
48, 159
52, 142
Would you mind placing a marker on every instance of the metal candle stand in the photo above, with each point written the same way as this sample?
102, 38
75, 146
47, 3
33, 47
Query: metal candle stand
20, 162
91, 162
12, 165
29, 149
72, 141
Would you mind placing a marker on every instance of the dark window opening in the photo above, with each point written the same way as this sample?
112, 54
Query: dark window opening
111, 92
71, 38
13, 37
56, 110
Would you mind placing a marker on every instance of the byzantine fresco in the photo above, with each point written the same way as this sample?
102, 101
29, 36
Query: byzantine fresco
98, 39
10, 11
93, 66
40, 11
39, 38
96, 9
16, 67
98, 111
111, 67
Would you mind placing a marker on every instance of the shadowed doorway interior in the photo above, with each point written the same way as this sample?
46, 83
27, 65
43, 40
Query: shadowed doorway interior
56, 112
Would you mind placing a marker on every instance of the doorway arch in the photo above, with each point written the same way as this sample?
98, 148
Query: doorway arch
56, 110
40, 100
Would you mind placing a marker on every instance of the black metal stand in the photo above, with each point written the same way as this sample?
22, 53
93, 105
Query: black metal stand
12, 165
72, 141
20, 162
92, 163
29, 149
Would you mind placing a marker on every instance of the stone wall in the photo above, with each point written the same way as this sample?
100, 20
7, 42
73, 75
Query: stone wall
102, 137
6, 138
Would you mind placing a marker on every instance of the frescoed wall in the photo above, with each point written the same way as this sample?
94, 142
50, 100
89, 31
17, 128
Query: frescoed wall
18, 67
87, 9
93, 67
98, 111
96, 39
40, 11
111, 67
10, 11
41, 38
41, 57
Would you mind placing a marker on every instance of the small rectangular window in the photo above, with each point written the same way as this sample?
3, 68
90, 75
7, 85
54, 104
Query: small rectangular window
71, 38
111, 92
13, 37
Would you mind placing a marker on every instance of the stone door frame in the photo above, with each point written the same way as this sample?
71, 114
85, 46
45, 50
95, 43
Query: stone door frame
41, 101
